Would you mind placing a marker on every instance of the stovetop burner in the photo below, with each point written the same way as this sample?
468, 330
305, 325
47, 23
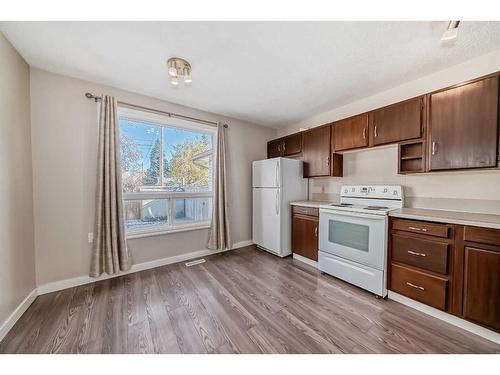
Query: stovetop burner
341, 204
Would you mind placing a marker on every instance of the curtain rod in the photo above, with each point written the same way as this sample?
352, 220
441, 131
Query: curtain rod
88, 95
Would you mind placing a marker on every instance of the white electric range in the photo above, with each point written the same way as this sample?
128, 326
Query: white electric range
353, 235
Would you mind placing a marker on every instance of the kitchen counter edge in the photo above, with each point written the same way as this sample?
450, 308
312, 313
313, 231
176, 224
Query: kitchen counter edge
313, 204
449, 217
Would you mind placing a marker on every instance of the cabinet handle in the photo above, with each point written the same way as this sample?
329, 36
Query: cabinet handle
415, 253
415, 286
284, 146
375, 133
279, 147
316, 231
419, 229
433, 148
364, 133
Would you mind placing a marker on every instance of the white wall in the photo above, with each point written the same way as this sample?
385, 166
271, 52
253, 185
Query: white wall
468, 191
64, 125
17, 259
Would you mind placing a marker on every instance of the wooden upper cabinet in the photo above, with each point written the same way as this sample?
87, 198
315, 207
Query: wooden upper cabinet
397, 122
350, 133
316, 151
286, 146
292, 144
463, 126
274, 148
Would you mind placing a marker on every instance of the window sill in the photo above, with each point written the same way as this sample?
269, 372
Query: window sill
164, 231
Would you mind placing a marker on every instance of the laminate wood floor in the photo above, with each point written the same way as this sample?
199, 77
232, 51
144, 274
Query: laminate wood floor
243, 301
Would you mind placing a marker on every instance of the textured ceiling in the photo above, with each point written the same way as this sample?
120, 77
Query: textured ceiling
272, 73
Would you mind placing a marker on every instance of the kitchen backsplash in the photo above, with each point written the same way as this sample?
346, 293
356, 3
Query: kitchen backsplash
470, 191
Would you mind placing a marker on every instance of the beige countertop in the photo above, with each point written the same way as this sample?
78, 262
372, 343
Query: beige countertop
313, 204
451, 217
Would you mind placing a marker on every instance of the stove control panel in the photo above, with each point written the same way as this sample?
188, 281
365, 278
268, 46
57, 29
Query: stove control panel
394, 192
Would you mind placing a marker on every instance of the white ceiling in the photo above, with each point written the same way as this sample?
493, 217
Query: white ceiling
272, 73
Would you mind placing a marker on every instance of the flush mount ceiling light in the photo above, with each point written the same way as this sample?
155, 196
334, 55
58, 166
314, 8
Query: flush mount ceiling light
179, 68
451, 32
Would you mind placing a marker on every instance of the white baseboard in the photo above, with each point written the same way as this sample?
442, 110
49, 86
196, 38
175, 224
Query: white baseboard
452, 319
16, 314
82, 280
305, 260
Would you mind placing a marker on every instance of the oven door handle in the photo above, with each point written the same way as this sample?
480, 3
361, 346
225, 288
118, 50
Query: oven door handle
353, 214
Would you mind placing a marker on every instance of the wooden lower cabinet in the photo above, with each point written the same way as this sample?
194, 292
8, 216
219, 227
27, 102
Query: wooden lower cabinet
422, 227
421, 253
305, 223
453, 268
481, 301
421, 286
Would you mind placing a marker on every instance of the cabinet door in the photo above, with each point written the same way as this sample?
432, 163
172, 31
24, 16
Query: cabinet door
482, 286
316, 152
305, 236
463, 126
397, 122
350, 133
292, 144
274, 148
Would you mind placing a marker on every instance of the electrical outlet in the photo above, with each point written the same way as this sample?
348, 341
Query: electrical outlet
90, 237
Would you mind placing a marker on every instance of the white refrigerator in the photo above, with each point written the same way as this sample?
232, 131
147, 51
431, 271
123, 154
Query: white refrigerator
275, 183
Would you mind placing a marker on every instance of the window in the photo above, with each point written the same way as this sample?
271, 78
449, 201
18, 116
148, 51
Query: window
167, 175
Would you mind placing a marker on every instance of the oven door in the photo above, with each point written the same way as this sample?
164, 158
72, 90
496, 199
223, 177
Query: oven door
354, 236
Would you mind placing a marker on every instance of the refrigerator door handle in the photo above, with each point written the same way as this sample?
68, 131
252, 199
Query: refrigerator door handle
277, 202
277, 173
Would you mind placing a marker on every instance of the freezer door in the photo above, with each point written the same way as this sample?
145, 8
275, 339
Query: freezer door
266, 173
266, 229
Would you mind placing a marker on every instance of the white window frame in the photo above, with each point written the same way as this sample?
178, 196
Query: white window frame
169, 122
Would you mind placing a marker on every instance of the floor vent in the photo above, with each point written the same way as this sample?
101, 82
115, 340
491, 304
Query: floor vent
195, 262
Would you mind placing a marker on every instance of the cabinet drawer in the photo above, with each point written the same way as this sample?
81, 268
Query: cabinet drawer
311, 211
414, 226
482, 235
420, 286
426, 254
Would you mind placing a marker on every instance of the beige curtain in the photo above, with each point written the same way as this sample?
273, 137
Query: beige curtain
109, 253
219, 236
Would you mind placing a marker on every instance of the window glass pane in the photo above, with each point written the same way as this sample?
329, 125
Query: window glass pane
145, 214
140, 149
188, 160
191, 210
164, 158
355, 236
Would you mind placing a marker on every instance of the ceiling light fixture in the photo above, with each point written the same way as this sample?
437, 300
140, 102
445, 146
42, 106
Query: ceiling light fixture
451, 32
179, 68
